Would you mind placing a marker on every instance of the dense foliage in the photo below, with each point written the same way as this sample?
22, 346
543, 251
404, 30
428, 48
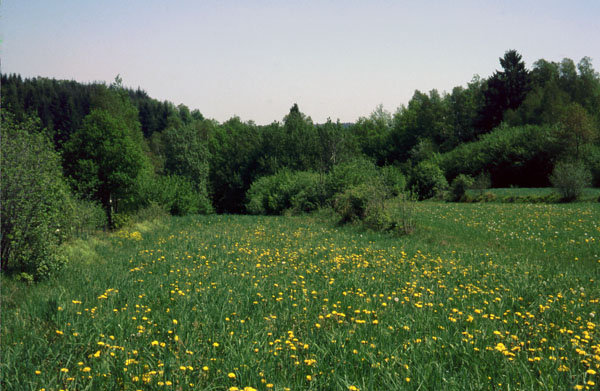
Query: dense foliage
125, 151
35, 204
300, 191
570, 178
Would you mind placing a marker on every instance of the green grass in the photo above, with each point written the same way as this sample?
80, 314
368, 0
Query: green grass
480, 296
519, 193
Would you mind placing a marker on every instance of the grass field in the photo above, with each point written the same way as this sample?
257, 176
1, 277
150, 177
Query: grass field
479, 297
591, 194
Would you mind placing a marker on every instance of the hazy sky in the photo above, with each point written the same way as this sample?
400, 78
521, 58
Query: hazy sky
254, 59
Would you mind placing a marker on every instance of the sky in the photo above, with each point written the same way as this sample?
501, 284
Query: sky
336, 59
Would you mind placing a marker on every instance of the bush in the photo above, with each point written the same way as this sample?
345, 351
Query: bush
482, 182
570, 178
88, 217
427, 180
305, 191
311, 194
393, 180
151, 212
176, 194
591, 158
121, 220
459, 187
487, 197
35, 201
364, 203
351, 204
406, 220
349, 174
521, 155
301, 191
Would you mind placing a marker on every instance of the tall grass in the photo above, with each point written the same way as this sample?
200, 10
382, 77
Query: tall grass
480, 296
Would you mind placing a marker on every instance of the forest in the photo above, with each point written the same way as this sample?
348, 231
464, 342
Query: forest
80, 157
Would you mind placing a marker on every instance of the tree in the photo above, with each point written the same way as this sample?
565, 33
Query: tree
186, 152
235, 150
570, 179
372, 134
577, 129
427, 180
187, 156
504, 90
463, 105
333, 145
427, 117
515, 78
35, 200
588, 88
104, 159
299, 141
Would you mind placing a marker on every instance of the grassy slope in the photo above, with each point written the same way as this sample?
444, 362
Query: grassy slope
481, 296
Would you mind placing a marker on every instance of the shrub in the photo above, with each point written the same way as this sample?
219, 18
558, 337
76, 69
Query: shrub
406, 221
482, 182
88, 217
301, 191
311, 194
459, 187
35, 201
427, 180
364, 203
351, 204
189, 199
121, 220
174, 193
488, 197
521, 155
151, 212
377, 217
591, 158
349, 174
393, 180
570, 178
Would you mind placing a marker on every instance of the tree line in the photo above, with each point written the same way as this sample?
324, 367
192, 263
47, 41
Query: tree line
117, 150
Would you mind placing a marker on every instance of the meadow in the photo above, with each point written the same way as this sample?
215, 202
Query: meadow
533, 194
480, 297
